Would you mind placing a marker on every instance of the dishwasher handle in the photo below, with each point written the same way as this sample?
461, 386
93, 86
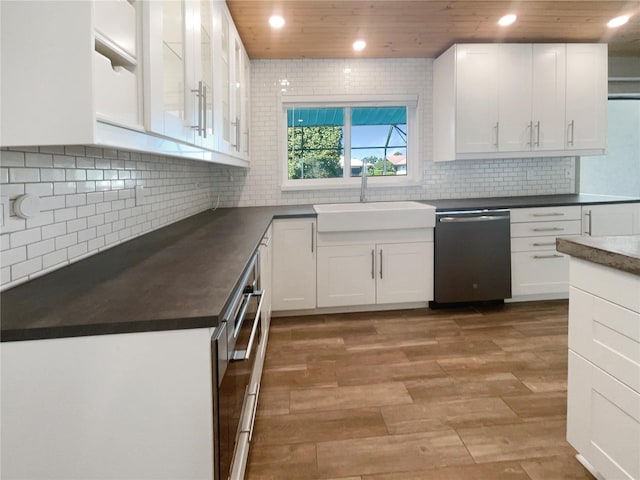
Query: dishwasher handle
476, 218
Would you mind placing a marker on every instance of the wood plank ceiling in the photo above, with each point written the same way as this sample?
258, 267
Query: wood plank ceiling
425, 28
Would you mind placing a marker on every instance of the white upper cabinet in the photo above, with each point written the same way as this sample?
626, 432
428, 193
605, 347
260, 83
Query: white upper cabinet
548, 89
477, 98
514, 72
234, 68
586, 118
136, 75
516, 100
69, 71
180, 75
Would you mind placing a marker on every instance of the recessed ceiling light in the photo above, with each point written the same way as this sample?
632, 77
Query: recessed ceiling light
507, 20
618, 21
359, 45
276, 21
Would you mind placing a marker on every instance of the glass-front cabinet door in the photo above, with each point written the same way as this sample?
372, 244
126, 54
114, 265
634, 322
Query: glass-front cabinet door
165, 67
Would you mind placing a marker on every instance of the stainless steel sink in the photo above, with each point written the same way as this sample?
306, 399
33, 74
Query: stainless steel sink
349, 217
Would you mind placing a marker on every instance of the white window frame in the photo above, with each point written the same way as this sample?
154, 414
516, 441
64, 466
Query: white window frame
414, 164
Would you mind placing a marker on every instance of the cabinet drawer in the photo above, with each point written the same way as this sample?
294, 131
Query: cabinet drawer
532, 244
618, 287
603, 420
538, 273
545, 214
553, 228
116, 92
115, 22
607, 335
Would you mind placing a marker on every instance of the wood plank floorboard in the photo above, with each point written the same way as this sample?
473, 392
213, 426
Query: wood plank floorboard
452, 394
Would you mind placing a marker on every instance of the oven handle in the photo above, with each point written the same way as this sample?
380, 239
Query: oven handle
242, 355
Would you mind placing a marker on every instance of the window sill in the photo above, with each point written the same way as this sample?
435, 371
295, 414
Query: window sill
372, 184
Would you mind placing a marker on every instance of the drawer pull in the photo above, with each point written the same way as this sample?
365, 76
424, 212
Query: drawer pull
554, 255
543, 244
553, 214
552, 229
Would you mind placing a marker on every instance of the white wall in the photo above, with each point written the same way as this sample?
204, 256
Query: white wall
617, 172
88, 203
478, 178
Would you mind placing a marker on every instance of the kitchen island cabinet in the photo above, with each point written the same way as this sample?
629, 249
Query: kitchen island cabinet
603, 404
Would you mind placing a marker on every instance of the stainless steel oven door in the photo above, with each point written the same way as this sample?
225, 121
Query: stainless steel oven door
243, 357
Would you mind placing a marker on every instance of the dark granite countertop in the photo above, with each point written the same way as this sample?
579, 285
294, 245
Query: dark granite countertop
180, 276
620, 252
527, 201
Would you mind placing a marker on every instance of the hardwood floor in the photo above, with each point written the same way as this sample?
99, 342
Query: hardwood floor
470, 393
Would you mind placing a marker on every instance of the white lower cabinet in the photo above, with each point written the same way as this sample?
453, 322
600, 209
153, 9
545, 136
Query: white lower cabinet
617, 219
294, 264
346, 275
603, 399
538, 271
123, 406
374, 273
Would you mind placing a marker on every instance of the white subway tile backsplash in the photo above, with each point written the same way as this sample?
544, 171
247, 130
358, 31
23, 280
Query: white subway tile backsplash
77, 250
55, 230
59, 257
65, 214
63, 161
41, 248
52, 175
38, 160
76, 225
44, 189
13, 256
86, 211
64, 188
52, 203
76, 199
43, 218
22, 175
25, 237
66, 240
24, 269
75, 174
10, 158
4, 175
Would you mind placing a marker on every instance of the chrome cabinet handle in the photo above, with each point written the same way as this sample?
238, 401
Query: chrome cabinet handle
236, 125
555, 255
198, 93
204, 110
553, 214
537, 144
530, 142
572, 127
497, 135
543, 244
373, 261
588, 214
552, 229
312, 235
381, 264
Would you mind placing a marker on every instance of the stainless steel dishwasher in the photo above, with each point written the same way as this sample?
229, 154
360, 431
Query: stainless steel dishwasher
472, 256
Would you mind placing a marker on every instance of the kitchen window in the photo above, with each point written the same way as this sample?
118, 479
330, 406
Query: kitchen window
329, 144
